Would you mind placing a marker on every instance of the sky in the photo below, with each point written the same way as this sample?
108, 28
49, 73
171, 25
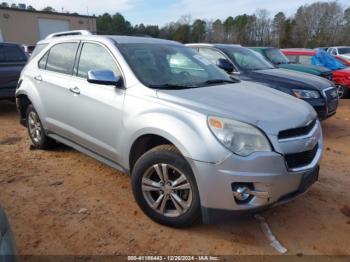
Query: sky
164, 11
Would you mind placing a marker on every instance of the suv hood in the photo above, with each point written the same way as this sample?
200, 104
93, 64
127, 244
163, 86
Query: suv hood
310, 69
291, 79
270, 110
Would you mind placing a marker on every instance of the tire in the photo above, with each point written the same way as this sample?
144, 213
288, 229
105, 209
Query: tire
36, 130
182, 208
343, 91
346, 92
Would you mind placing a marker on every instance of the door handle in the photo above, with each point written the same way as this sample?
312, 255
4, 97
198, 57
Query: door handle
38, 78
75, 90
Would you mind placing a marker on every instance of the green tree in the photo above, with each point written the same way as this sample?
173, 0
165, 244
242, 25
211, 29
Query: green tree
198, 30
4, 4
183, 33
49, 9
229, 25
278, 30
29, 7
104, 24
120, 26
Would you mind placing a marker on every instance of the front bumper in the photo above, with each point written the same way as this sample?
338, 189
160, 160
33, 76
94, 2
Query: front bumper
325, 106
268, 174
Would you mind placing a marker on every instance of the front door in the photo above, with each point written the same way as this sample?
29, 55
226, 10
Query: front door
95, 111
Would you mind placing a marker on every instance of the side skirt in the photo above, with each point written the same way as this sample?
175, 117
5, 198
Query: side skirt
88, 152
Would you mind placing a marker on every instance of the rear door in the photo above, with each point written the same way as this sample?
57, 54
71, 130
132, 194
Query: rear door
95, 110
53, 82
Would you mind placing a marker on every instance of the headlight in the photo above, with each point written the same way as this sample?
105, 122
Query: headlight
240, 138
305, 94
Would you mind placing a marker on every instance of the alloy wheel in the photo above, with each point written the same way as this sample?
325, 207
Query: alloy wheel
167, 190
34, 126
340, 90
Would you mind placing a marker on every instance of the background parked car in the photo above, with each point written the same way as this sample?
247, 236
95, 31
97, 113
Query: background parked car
28, 49
342, 51
251, 66
7, 247
12, 61
343, 60
340, 77
276, 57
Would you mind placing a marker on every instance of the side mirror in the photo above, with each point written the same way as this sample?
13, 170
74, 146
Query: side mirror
104, 77
225, 65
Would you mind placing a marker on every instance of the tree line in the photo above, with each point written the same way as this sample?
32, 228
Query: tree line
315, 25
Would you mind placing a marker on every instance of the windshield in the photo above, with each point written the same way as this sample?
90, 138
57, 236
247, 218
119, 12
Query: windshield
171, 66
344, 50
247, 60
276, 56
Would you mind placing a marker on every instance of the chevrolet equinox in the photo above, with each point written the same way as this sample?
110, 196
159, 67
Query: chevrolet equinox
197, 144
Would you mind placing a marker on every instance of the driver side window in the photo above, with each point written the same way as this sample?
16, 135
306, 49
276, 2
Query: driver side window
102, 60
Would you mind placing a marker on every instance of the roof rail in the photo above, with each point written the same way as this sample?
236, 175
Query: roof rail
68, 33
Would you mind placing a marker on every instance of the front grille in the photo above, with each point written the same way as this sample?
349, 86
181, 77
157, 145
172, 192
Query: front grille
332, 100
298, 160
331, 94
295, 132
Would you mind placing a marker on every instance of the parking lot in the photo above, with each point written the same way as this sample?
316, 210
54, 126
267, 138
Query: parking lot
63, 202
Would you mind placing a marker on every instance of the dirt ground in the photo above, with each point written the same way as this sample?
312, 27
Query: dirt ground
63, 202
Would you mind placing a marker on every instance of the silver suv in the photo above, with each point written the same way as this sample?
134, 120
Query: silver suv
197, 144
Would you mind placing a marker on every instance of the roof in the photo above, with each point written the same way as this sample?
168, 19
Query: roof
262, 47
213, 45
44, 12
307, 52
121, 39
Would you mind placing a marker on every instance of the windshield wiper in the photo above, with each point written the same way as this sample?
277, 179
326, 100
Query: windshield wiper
171, 86
219, 81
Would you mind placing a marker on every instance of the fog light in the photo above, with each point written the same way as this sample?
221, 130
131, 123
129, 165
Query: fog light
241, 192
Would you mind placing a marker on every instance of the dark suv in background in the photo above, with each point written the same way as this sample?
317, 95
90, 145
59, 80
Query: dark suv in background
12, 61
251, 66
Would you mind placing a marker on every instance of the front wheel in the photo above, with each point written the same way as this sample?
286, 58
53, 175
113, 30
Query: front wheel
343, 91
165, 188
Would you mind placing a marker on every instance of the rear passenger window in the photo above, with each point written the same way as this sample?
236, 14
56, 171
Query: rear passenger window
61, 58
95, 57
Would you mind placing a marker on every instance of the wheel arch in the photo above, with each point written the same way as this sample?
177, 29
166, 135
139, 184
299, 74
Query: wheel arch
147, 141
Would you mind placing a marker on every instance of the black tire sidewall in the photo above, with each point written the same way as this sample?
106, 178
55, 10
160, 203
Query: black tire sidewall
175, 159
346, 94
